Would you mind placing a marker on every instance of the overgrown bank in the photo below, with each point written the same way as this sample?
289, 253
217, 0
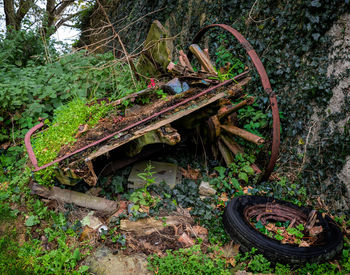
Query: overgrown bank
291, 38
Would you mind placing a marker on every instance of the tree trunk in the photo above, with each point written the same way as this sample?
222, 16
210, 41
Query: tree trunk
14, 18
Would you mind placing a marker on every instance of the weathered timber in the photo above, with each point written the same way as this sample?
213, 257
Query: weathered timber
227, 110
243, 134
172, 117
226, 154
203, 59
80, 199
184, 60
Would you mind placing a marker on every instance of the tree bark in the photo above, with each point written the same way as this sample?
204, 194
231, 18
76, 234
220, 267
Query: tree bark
14, 18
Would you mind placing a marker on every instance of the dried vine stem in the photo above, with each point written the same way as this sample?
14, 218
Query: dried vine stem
116, 35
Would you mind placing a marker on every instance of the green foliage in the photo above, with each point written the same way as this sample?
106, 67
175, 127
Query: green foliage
62, 131
37, 90
253, 262
187, 261
142, 196
22, 48
238, 173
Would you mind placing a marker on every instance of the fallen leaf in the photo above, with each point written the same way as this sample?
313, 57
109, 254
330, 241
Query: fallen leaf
304, 244
82, 129
199, 230
247, 189
315, 230
123, 206
5, 145
230, 250
190, 173
186, 240
87, 234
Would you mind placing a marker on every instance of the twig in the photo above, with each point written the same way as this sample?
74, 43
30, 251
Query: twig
251, 11
13, 131
131, 67
305, 147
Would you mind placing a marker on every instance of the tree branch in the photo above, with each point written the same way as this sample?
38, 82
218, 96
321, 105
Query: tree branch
63, 20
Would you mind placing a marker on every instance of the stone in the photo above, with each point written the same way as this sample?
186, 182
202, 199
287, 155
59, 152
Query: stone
91, 221
155, 60
205, 189
103, 262
175, 86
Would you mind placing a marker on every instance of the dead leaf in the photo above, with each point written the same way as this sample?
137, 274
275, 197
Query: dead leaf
199, 230
186, 240
123, 206
232, 261
230, 250
82, 129
190, 173
5, 145
247, 189
304, 244
87, 234
315, 230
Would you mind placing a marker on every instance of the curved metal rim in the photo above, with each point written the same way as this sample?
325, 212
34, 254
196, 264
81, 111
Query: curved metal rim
265, 83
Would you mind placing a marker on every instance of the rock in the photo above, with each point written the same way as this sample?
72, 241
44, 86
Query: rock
205, 189
103, 262
175, 86
91, 221
156, 59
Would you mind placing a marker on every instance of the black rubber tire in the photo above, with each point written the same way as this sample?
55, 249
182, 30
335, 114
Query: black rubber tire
248, 237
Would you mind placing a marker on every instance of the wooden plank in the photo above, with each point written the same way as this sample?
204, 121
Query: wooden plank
243, 134
185, 60
203, 59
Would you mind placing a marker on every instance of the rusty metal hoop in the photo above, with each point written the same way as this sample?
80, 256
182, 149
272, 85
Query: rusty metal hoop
265, 83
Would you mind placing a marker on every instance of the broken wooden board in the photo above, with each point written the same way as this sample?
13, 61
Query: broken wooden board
126, 137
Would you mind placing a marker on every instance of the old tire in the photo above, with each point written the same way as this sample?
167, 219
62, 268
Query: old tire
248, 237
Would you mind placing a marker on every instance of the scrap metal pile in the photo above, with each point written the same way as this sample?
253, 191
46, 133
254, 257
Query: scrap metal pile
191, 96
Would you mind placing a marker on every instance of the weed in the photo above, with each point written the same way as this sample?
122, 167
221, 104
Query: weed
255, 263
62, 131
142, 196
187, 261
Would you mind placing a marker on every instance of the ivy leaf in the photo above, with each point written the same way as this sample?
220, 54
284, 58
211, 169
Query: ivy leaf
32, 220
316, 36
316, 3
243, 176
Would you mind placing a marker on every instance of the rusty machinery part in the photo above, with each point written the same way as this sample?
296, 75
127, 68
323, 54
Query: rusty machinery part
237, 222
34, 161
265, 83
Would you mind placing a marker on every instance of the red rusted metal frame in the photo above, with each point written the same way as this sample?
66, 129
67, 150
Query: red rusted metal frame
266, 84
32, 130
